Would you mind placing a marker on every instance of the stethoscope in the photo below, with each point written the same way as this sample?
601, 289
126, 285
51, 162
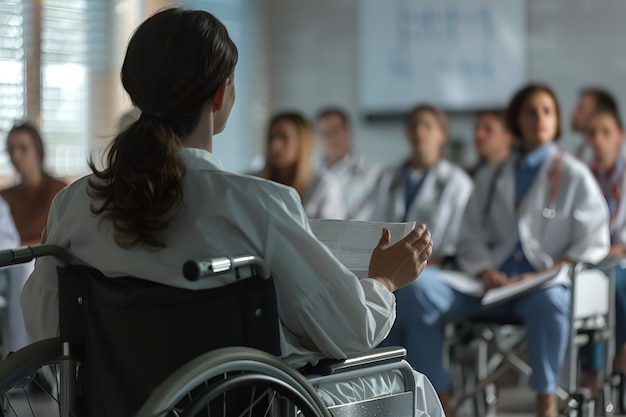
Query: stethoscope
554, 176
549, 211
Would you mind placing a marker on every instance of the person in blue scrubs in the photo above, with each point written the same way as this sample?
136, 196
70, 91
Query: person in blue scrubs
605, 136
539, 209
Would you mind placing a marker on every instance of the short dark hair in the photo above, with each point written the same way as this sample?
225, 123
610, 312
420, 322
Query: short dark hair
498, 113
330, 111
439, 115
608, 112
604, 99
31, 129
517, 102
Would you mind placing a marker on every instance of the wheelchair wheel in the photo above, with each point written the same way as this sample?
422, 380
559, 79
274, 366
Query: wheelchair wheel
233, 382
30, 383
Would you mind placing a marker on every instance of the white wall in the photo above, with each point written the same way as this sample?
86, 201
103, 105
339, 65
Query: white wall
311, 49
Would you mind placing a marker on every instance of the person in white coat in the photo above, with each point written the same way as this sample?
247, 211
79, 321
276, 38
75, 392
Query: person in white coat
289, 161
590, 101
492, 139
355, 174
163, 198
605, 136
539, 209
11, 279
426, 188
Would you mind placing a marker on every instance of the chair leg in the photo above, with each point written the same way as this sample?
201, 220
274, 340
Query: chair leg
607, 401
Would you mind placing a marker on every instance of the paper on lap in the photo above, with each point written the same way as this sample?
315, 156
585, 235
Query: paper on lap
472, 286
352, 241
508, 292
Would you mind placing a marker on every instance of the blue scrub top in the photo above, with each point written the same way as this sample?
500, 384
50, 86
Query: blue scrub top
526, 169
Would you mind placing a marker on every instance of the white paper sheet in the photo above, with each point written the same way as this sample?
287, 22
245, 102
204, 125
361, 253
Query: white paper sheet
352, 241
501, 294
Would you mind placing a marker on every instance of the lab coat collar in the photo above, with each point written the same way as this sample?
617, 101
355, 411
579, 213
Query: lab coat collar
350, 162
611, 177
200, 160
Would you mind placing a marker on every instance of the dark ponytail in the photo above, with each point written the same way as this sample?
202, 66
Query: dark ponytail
175, 62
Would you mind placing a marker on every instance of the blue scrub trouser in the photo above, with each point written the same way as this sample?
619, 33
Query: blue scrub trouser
427, 304
593, 355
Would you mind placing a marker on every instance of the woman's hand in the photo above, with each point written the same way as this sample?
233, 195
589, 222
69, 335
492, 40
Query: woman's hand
398, 265
493, 278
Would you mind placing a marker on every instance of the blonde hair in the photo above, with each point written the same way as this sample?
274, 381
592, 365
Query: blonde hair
303, 172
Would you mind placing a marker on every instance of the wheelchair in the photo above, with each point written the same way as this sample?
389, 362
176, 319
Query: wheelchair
482, 351
132, 347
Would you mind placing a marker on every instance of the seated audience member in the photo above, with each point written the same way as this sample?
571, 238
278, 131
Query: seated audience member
289, 161
493, 140
163, 198
29, 201
590, 100
605, 136
542, 210
425, 188
352, 171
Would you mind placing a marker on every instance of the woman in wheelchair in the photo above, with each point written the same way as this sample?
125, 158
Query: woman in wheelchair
605, 136
163, 198
537, 210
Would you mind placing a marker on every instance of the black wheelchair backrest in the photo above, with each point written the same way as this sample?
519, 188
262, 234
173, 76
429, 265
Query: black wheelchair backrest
131, 333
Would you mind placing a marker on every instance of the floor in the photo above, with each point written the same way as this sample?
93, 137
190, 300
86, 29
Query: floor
515, 401
512, 402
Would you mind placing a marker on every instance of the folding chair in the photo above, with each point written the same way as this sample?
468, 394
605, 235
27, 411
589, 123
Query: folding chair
498, 346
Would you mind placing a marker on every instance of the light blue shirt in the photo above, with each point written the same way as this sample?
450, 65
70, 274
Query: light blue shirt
526, 168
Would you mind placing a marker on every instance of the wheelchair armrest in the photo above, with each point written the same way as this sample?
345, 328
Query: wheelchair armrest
357, 361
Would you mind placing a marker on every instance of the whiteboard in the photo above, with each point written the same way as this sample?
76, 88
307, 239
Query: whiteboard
455, 54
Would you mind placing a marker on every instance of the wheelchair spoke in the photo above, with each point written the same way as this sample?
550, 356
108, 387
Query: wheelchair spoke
252, 394
269, 403
29, 403
11, 407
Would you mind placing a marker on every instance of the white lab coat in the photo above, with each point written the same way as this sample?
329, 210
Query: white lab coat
325, 310
440, 202
323, 198
12, 280
9, 236
357, 177
578, 231
618, 224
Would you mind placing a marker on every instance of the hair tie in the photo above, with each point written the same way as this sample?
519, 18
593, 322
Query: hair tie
150, 115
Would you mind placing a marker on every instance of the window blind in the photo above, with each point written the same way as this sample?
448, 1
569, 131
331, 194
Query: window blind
48, 52
74, 42
12, 72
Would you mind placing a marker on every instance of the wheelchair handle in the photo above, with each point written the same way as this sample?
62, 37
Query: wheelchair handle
193, 269
25, 254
